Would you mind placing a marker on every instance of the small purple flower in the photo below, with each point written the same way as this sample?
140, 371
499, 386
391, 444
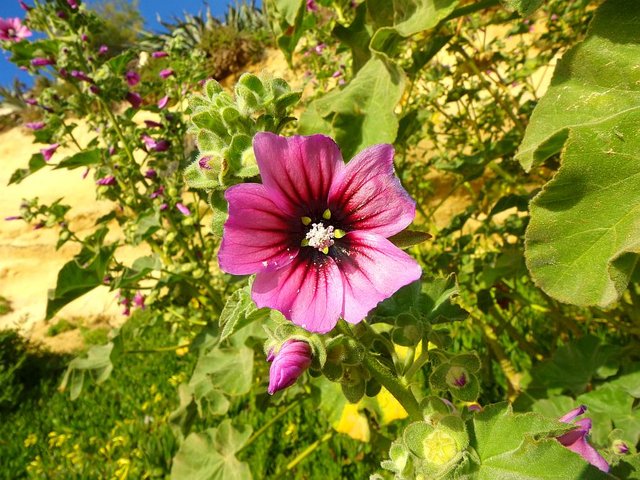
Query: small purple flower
321, 251
73, 4
63, 72
164, 206
61, 14
576, 440
133, 78
42, 62
80, 75
108, 180
337, 74
159, 54
138, 300
312, 6
155, 145
85, 173
319, 48
134, 99
620, 447
103, 50
291, 361
150, 173
166, 73
84, 37
204, 163
35, 125
152, 124
12, 217
158, 192
111, 150
12, 29
24, 6
31, 101
554, 17
183, 209
94, 89
48, 152
163, 102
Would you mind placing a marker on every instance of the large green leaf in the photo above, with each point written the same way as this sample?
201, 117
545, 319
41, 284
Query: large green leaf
524, 7
211, 455
583, 240
523, 446
240, 311
411, 17
80, 159
361, 114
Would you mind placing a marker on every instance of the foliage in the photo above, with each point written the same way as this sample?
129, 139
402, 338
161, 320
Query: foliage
423, 381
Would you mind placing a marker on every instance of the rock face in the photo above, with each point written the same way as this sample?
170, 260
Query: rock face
29, 262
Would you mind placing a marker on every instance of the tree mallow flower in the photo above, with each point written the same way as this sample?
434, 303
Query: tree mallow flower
182, 208
166, 73
132, 78
12, 29
163, 102
291, 361
576, 440
315, 231
48, 152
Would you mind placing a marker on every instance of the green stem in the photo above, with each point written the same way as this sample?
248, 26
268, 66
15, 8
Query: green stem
469, 9
273, 420
302, 455
418, 363
160, 349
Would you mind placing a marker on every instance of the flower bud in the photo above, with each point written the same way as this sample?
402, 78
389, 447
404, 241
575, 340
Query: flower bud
293, 358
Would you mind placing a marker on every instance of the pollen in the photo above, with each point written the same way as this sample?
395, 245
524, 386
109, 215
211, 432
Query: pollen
320, 237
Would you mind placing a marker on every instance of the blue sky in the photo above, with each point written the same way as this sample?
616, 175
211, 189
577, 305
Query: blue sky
148, 8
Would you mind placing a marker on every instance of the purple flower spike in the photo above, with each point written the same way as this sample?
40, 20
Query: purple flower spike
134, 99
166, 73
108, 180
315, 231
133, 78
42, 62
12, 29
183, 209
152, 124
159, 54
35, 125
163, 102
138, 300
48, 152
103, 50
576, 440
80, 75
291, 361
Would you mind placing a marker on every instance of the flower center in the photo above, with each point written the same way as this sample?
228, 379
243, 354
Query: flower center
11, 33
320, 237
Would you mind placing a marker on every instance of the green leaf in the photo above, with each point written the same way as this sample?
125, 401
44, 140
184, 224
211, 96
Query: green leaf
524, 7
35, 163
97, 363
523, 446
409, 238
227, 369
141, 267
288, 9
79, 276
583, 239
146, 225
357, 37
240, 311
211, 455
362, 114
80, 159
414, 16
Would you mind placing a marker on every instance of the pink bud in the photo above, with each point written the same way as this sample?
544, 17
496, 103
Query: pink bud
291, 361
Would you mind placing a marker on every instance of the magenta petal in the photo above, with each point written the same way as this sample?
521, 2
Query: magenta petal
257, 235
298, 171
370, 194
576, 412
308, 293
373, 270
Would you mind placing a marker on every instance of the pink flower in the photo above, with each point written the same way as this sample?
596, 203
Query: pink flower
159, 54
183, 209
80, 75
35, 125
291, 361
158, 192
320, 48
12, 29
166, 73
103, 50
138, 300
315, 231
42, 62
576, 440
312, 6
133, 78
73, 4
163, 102
134, 99
48, 152
108, 180
152, 124
155, 145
